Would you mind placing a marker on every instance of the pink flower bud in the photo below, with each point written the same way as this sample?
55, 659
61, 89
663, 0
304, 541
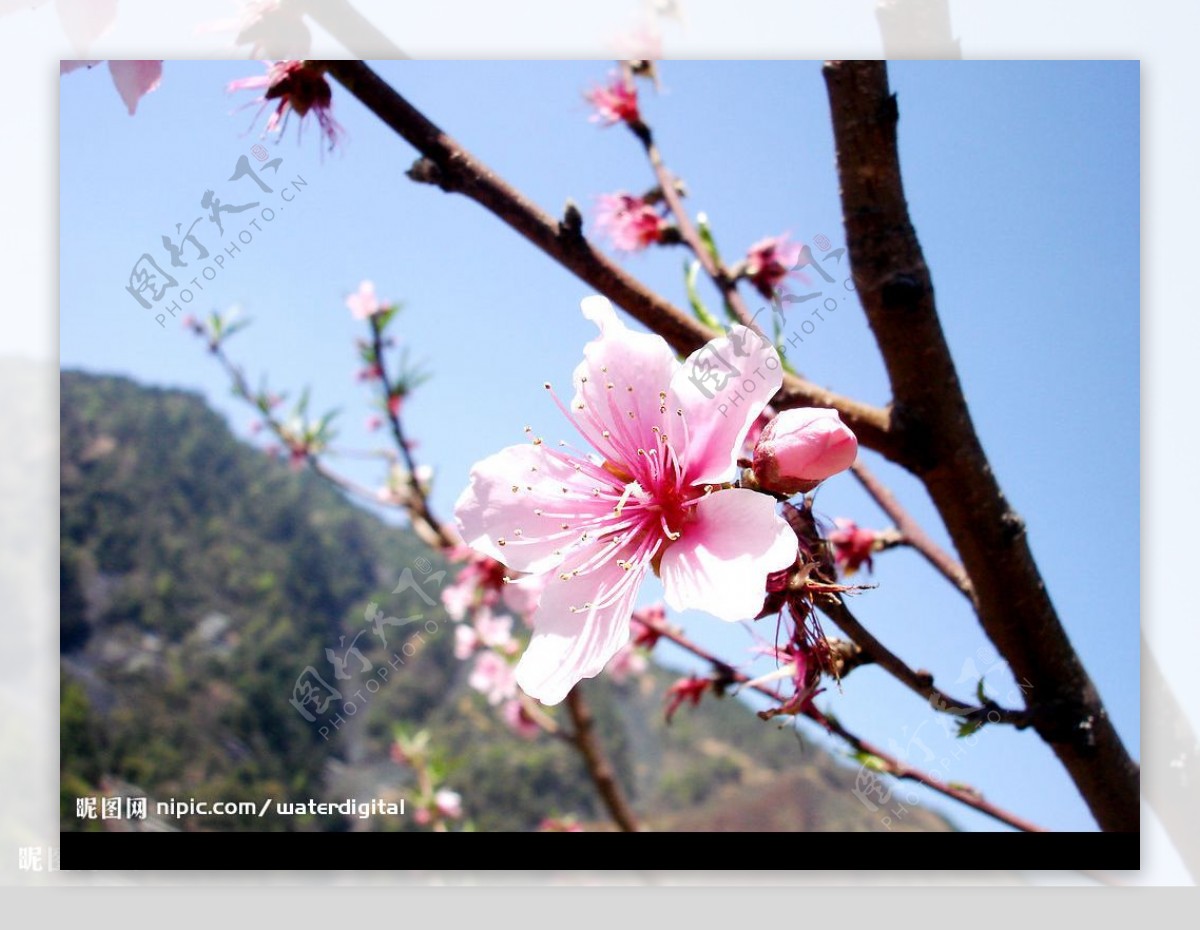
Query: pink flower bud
801, 448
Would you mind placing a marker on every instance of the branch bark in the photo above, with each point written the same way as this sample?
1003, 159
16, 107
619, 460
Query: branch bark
448, 166
918, 681
585, 740
891, 765
938, 443
912, 532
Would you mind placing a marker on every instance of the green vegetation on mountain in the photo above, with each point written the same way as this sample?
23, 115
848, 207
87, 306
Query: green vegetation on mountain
200, 580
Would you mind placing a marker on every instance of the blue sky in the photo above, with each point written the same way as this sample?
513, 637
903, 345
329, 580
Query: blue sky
1023, 181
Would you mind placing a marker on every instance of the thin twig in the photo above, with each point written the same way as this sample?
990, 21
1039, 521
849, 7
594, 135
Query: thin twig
450, 167
716, 271
439, 536
601, 770
919, 682
888, 763
913, 534
431, 529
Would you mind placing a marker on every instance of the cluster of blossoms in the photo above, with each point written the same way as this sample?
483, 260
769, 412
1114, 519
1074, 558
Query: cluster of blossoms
482, 601
633, 223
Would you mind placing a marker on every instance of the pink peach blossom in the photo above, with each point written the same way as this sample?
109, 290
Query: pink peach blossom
448, 803
769, 262
615, 102
486, 631
646, 622
630, 223
300, 87
493, 677
652, 498
852, 546
485, 582
363, 303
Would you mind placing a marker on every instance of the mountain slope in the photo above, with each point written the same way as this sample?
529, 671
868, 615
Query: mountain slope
201, 581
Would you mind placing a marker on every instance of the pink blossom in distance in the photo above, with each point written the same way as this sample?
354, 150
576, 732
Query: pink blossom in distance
852, 546
614, 102
493, 677
133, 79
363, 303
518, 720
486, 631
769, 262
649, 499
629, 662
630, 223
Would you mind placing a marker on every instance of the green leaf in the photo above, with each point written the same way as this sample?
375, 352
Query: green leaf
706, 236
967, 727
386, 315
691, 269
979, 692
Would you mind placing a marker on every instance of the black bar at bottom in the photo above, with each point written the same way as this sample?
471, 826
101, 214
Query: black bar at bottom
316, 851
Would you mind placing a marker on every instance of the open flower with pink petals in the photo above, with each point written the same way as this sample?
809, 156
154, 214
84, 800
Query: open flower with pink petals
300, 87
652, 497
770, 261
133, 79
614, 102
630, 223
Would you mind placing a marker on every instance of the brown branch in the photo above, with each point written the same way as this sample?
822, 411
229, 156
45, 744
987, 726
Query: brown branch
585, 740
431, 530
932, 429
911, 530
439, 536
448, 166
919, 682
893, 766
667, 184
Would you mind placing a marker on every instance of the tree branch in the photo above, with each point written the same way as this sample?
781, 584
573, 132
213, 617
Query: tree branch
891, 765
911, 530
431, 530
933, 430
584, 739
919, 682
716, 271
448, 166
